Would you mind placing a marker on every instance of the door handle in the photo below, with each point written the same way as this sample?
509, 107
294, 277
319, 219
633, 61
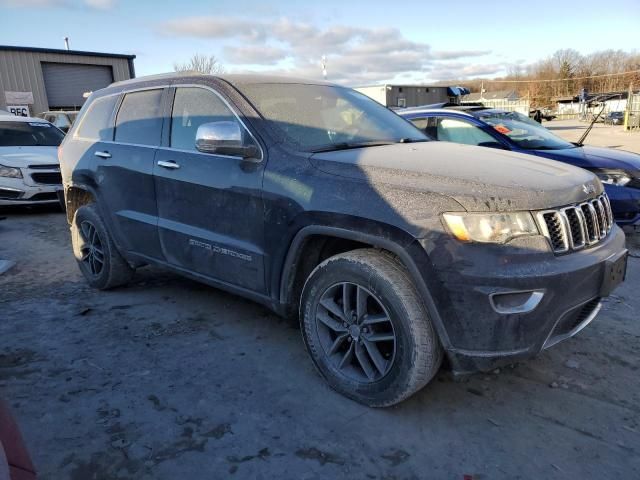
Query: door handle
103, 154
170, 164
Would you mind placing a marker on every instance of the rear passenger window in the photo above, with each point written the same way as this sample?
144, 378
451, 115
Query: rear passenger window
95, 124
191, 108
139, 118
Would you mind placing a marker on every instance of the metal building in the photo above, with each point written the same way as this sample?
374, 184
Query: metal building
408, 95
34, 80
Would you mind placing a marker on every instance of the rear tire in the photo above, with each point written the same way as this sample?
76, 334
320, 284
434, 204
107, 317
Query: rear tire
99, 261
366, 328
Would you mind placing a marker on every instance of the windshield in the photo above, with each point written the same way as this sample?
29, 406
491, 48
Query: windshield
29, 134
526, 133
326, 117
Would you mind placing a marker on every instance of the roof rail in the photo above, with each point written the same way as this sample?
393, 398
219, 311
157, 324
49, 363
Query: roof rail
158, 76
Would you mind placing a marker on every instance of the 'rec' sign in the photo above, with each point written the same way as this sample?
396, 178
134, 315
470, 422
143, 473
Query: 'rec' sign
19, 110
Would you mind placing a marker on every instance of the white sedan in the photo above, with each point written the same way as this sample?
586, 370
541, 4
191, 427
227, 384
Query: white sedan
29, 167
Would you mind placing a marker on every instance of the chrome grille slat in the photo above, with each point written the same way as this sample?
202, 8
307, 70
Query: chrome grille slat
602, 226
609, 211
577, 226
576, 229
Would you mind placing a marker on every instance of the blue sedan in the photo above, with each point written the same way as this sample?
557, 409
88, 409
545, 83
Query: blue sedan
618, 170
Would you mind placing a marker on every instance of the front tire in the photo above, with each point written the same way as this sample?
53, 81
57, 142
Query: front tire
100, 262
366, 329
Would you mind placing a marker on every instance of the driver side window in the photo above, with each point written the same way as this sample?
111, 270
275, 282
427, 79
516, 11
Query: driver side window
193, 106
460, 131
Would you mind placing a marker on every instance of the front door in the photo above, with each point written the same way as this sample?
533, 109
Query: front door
210, 210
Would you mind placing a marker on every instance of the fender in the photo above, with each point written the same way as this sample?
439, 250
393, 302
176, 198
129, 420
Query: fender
406, 253
105, 218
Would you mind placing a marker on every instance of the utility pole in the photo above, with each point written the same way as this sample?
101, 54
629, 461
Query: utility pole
627, 110
323, 62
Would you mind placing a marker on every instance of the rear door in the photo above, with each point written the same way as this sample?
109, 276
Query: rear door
210, 209
124, 171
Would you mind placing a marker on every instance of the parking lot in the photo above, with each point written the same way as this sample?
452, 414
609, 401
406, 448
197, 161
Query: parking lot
612, 136
171, 379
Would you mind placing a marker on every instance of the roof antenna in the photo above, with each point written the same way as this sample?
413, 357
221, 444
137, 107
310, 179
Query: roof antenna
66, 43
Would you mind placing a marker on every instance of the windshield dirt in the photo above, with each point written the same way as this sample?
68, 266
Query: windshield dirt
29, 134
526, 133
323, 117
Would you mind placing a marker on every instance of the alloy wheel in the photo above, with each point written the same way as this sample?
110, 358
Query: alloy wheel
355, 332
91, 250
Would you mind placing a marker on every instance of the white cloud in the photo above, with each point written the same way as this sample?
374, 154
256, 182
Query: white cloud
254, 55
100, 4
355, 54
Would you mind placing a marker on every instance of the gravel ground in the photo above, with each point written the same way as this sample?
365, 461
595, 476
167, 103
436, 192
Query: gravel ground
170, 379
613, 136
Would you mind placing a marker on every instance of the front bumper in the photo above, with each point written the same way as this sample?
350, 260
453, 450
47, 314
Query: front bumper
37, 185
625, 204
480, 335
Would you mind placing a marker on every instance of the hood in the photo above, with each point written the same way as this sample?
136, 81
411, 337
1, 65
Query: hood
21, 157
480, 179
594, 157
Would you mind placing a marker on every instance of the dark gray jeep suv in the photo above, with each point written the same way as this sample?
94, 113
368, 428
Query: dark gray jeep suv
316, 201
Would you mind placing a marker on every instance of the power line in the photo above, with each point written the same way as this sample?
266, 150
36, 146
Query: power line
564, 79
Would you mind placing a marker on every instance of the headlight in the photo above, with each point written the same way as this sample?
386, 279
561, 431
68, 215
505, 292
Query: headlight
10, 172
490, 227
613, 177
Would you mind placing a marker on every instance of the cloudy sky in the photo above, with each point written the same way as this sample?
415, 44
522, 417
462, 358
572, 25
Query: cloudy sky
364, 41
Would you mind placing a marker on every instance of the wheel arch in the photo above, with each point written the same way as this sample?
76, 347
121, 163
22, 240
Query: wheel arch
75, 196
399, 243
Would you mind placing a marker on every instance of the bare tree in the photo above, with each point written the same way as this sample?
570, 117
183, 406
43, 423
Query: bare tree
565, 73
200, 63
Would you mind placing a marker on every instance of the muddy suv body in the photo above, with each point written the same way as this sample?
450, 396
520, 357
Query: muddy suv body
317, 202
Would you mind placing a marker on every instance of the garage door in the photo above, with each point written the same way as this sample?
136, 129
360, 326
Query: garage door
65, 83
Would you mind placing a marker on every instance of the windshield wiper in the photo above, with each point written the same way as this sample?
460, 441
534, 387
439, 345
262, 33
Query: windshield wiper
348, 146
351, 145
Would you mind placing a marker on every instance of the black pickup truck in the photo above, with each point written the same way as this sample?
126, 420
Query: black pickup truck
316, 201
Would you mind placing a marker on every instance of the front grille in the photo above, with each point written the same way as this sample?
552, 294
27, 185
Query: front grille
9, 194
43, 197
53, 166
554, 229
572, 321
47, 178
577, 226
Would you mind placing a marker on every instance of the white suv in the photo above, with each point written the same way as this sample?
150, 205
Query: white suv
29, 167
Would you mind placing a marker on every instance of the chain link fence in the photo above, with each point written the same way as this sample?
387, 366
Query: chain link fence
521, 106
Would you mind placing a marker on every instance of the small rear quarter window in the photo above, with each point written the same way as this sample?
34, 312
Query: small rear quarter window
96, 123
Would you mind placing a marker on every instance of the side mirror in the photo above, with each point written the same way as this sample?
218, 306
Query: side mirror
223, 138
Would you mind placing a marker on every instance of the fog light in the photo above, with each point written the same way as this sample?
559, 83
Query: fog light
516, 302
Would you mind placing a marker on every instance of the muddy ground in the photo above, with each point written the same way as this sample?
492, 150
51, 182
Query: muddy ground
169, 379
